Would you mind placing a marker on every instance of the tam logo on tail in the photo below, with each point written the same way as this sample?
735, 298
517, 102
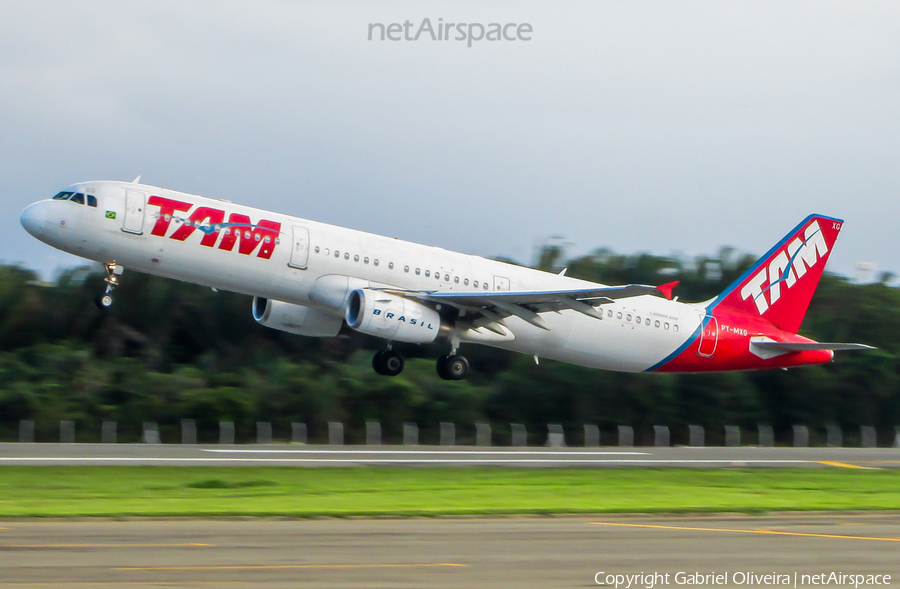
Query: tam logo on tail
780, 285
787, 266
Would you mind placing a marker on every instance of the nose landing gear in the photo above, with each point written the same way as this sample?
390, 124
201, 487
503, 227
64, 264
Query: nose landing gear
113, 271
388, 362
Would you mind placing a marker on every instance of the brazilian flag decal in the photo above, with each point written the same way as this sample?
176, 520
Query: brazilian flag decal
110, 214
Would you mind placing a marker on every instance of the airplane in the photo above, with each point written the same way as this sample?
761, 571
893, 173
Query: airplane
319, 280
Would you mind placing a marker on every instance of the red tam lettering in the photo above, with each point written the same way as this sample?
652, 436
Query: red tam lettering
252, 236
167, 207
201, 216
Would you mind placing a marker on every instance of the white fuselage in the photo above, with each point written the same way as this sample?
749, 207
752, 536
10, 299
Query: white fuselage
316, 265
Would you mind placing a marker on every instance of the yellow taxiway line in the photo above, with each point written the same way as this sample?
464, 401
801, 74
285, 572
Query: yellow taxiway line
263, 567
106, 545
740, 531
845, 465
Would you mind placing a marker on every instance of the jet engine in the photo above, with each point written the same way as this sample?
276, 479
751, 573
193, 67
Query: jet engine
391, 317
295, 319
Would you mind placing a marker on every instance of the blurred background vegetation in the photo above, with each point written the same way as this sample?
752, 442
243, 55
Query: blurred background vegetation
169, 350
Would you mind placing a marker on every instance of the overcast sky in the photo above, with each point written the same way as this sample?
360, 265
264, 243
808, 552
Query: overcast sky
638, 126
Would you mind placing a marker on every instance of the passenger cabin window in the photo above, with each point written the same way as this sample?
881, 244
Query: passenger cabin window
406, 268
375, 261
427, 273
485, 286
317, 247
390, 265
365, 260
456, 279
356, 258
418, 271
466, 282
346, 256
475, 284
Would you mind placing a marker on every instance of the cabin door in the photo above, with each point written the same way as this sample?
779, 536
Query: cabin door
300, 248
709, 338
135, 202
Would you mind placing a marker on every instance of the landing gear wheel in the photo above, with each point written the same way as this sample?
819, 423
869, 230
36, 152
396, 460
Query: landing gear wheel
104, 301
388, 363
377, 362
452, 367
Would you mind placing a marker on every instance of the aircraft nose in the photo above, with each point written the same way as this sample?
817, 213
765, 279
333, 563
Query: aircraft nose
34, 217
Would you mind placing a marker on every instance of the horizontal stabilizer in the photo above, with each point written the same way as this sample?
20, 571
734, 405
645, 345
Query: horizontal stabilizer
810, 346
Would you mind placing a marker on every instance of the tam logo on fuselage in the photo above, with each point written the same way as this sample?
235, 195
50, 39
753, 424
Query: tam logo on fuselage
211, 222
785, 268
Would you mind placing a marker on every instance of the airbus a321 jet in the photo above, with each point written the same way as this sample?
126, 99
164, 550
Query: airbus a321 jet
320, 280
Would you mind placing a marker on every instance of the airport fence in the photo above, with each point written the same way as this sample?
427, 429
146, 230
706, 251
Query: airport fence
451, 434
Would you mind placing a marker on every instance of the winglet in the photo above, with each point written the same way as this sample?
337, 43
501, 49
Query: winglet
666, 289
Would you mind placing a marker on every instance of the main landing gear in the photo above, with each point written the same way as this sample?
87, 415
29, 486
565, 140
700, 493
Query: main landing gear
388, 362
113, 271
452, 367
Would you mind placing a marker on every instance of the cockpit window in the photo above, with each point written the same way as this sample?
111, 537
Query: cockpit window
77, 197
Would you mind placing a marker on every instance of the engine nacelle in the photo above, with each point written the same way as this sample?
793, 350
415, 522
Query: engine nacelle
295, 319
391, 317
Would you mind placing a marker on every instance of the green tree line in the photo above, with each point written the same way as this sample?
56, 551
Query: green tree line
167, 351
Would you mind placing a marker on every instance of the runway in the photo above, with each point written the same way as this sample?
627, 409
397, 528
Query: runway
429, 553
422, 456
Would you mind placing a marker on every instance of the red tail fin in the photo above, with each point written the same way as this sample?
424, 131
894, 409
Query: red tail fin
780, 285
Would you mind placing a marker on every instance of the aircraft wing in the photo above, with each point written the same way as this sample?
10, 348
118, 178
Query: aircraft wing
485, 309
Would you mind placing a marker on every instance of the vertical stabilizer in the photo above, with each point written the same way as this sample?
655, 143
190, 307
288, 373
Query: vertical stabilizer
780, 285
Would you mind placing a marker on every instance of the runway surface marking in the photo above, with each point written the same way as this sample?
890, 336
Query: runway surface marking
113, 459
256, 567
465, 452
739, 531
845, 465
191, 545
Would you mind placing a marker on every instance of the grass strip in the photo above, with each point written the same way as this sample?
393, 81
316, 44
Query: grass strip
161, 491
